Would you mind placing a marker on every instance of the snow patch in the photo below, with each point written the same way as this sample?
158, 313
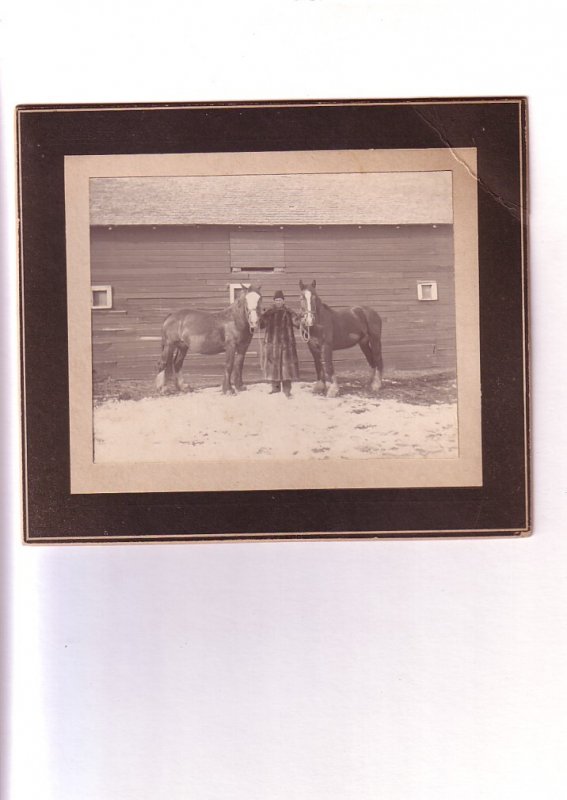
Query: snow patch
207, 425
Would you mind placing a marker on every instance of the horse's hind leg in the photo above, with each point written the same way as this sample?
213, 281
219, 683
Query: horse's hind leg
376, 384
375, 376
375, 335
367, 350
370, 342
178, 359
165, 367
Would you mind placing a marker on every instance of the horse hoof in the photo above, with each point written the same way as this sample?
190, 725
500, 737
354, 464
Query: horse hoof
333, 390
240, 388
375, 385
319, 388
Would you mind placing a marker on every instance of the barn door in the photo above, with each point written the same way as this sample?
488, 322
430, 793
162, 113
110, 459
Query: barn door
257, 250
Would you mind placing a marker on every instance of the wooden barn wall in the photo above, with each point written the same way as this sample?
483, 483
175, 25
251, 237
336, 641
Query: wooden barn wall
154, 270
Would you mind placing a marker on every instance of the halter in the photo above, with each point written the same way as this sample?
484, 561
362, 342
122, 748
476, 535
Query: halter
248, 318
304, 329
248, 311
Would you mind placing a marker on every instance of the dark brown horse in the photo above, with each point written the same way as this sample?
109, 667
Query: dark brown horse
192, 331
327, 329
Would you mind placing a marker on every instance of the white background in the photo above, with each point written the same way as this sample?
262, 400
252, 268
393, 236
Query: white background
414, 670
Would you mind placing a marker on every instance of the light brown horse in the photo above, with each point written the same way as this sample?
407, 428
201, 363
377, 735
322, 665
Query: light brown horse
192, 331
327, 329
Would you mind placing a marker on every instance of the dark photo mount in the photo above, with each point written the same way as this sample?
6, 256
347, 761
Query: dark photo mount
495, 128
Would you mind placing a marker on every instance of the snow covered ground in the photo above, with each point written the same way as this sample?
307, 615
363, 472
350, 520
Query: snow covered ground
206, 425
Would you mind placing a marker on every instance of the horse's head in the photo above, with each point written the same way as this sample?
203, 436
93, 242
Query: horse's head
310, 303
253, 304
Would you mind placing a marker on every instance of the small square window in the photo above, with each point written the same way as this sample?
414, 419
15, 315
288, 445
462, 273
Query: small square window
427, 290
101, 297
235, 290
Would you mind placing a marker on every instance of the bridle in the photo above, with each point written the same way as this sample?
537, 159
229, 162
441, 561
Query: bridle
304, 327
304, 331
248, 311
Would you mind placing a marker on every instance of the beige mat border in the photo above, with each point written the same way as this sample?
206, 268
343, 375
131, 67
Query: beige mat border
88, 477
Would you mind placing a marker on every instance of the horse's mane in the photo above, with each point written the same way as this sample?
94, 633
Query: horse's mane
322, 302
239, 301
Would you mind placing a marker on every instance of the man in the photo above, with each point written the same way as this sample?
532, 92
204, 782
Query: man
279, 353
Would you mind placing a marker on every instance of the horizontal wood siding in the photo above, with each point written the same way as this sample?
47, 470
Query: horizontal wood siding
380, 266
156, 269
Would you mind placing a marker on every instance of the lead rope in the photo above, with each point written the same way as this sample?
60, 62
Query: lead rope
249, 318
304, 331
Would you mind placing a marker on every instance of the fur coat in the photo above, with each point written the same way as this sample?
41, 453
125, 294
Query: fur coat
279, 353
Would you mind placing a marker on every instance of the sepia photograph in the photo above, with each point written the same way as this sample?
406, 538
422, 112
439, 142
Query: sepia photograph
298, 307
287, 320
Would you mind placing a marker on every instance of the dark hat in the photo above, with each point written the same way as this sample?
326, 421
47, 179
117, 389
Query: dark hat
279, 294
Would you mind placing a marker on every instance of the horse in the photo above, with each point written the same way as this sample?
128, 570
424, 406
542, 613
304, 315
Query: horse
192, 331
327, 329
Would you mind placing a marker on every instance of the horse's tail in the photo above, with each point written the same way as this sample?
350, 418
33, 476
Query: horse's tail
372, 322
167, 353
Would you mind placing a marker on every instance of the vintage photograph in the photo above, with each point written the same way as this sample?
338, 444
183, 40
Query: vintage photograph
279, 312
342, 300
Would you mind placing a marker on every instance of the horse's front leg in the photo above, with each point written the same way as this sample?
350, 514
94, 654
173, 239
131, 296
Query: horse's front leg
376, 382
238, 365
329, 371
227, 387
319, 387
